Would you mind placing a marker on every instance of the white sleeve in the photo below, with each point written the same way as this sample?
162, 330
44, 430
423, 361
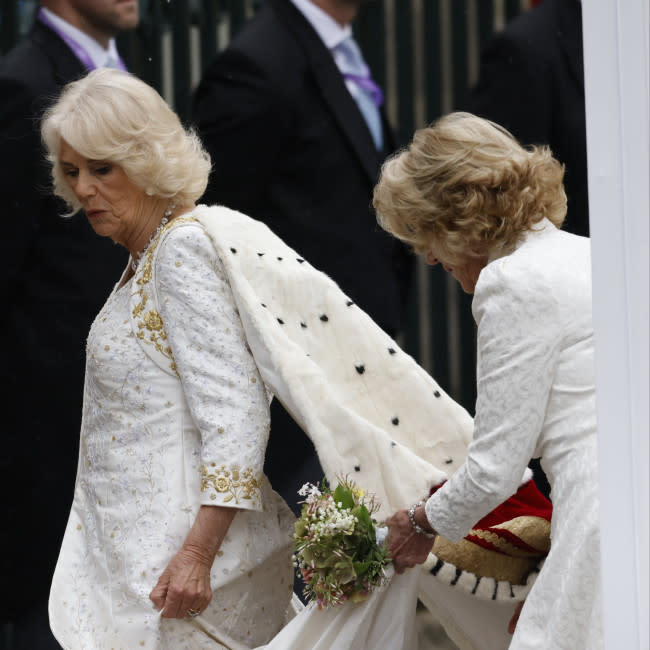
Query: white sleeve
225, 394
519, 340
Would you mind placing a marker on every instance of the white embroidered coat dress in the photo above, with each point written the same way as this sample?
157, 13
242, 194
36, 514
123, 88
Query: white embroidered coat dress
536, 398
175, 416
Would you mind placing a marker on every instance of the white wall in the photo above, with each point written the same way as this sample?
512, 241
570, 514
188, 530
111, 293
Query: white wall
618, 135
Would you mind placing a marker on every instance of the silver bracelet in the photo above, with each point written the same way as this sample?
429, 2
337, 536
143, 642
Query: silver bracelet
416, 527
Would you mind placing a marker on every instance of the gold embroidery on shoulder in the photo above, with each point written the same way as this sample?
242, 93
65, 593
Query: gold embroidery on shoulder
239, 484
150, 324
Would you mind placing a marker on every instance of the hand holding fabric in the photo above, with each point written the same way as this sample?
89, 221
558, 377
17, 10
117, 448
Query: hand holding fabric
407, 547
184, 585
184, 589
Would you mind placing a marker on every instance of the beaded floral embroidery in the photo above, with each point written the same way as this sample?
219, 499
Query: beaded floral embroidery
238, 483
150, 324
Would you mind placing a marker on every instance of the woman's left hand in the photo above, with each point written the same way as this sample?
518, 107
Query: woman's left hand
407, 548
184, 586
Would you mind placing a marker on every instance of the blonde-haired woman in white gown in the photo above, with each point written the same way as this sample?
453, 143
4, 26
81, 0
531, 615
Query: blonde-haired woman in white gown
467, 196
175, 539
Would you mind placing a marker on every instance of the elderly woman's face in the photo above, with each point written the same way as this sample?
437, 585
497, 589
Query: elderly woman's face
465, 273
112, 202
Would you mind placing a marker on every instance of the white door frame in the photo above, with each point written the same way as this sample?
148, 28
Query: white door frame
618, 135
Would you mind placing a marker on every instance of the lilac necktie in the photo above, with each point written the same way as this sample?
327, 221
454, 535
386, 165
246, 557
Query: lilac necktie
367, 93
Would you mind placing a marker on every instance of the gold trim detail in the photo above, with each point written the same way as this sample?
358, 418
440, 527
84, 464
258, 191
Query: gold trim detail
239, 484
151, 329
534, 531
505, 561
504, 545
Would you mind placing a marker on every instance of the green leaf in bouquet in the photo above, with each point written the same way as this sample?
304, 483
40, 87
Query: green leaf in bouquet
307, 555
325, 559
343, 571
343, 495
361, 568
364, 518
299, 528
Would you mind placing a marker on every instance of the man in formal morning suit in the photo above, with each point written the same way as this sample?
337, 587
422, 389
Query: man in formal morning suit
56, 275
531, 81
297, 132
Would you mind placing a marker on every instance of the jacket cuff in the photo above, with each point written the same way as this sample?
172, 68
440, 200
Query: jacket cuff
231, 486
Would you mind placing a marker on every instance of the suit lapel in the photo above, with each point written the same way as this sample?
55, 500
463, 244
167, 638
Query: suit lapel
332, 86
65, 65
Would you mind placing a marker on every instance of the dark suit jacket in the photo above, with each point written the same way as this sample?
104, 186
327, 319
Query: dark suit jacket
531, 81
56, 274
290, 147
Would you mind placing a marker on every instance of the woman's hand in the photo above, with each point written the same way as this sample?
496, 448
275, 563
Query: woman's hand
407, 548
184, 589
184, 585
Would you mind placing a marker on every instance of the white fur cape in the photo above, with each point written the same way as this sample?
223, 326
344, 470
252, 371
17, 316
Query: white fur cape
371, 411
373, 414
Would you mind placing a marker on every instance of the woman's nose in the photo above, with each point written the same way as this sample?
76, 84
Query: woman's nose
84, 187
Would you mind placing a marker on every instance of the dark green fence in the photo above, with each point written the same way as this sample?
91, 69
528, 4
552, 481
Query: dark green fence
424, 53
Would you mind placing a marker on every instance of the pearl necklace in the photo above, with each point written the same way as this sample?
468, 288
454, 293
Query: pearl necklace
138, 256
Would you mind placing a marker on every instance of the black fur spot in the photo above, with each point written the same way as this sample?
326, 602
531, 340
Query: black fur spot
437, 567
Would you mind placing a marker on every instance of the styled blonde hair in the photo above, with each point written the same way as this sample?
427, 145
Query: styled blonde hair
466, 184
113, 116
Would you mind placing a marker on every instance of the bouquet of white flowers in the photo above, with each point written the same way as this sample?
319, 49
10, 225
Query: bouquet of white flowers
336, 549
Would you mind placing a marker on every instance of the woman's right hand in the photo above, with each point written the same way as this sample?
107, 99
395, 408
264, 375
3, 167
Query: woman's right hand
184, 589
184, 586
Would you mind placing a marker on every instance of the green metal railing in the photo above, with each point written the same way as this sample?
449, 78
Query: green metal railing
423, 52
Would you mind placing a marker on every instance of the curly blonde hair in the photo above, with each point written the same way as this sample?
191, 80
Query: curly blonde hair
112, 116
466, 184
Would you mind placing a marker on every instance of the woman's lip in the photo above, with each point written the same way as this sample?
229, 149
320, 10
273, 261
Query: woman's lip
93, 213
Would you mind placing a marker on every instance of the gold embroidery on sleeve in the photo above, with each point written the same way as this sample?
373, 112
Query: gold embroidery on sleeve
239, 484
